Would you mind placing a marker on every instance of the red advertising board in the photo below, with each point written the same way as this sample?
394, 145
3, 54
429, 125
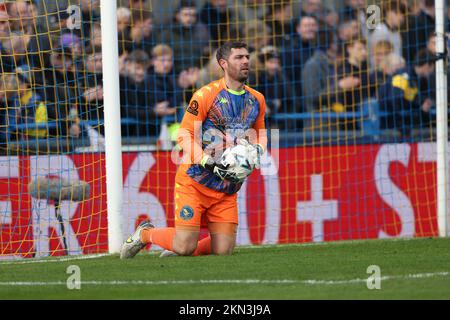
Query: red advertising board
303, 194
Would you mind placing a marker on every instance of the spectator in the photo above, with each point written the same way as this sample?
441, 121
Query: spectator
352, 85
92, 85
89, 15
71, 43
59, 88
348, 29
34, 14
408, 95
4, 25
318, 71
355, 10
14, 51
20, 16
280, 21
134, 97
188, 37
165, 90
20, 105
55, 22
256, 35
18, 48
249, 11
28, 106
210, 72
123, 19
431, 43
272, 82
391, 64
123, 29
380, 50
378, 73
389, 30
220, 20
95, 35
140, 34
137, 5
297, 49
418, 30
8, 90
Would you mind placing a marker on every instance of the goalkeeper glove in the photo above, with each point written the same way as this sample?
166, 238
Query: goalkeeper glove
223, 172
255, 151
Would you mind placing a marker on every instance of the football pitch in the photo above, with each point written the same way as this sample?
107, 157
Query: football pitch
409, 269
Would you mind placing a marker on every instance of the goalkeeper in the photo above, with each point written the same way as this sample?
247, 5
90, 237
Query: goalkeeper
227, 111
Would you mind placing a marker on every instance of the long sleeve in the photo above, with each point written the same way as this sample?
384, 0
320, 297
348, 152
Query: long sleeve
190, 132
260, 125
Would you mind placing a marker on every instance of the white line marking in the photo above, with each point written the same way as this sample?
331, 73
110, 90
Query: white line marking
230, 281
245, 247
49, 260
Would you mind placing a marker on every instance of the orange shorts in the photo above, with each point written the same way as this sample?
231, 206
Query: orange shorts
197, 205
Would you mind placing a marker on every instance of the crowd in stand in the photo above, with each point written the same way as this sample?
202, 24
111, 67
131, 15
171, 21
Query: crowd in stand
305, 57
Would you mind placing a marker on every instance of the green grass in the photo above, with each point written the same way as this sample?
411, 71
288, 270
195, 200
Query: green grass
337, 262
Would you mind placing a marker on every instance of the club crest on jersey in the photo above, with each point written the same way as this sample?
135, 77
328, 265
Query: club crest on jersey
186, 213
193, 108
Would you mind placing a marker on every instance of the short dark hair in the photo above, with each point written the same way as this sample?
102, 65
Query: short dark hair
429, 3
91, 50
353, 41
325, 39
424, 57
140, 16
303, 16
394, 5
185, 4
225, 49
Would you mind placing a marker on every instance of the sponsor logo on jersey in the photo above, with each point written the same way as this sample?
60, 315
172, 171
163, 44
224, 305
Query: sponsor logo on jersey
193, 108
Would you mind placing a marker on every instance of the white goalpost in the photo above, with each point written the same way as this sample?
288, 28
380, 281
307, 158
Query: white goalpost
113, 143
441, 118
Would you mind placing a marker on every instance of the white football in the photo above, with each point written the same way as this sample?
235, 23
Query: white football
236, 158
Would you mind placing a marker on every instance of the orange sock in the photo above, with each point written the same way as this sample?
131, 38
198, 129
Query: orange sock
162, 237
203, 247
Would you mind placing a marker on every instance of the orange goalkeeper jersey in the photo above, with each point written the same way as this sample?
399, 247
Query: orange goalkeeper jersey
215, 119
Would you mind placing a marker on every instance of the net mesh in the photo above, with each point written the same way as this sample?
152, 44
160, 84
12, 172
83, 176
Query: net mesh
350, 93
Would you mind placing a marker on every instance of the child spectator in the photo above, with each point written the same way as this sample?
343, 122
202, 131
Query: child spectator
389, 30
